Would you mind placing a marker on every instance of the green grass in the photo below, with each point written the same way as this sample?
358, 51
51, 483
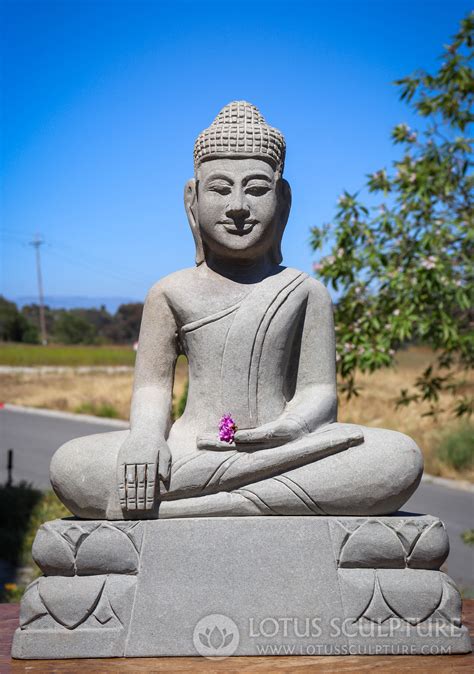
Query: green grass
97, 410
456, 448
26, 355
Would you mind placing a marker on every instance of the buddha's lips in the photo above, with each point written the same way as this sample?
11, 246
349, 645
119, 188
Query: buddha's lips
244, 229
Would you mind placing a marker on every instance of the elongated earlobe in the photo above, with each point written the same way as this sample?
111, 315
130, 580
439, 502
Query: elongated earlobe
190, 204
285, 205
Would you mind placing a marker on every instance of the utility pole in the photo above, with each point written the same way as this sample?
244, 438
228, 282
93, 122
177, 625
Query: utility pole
37, 242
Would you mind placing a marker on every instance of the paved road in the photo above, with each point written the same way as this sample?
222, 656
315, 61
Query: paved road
35, 437
456, 509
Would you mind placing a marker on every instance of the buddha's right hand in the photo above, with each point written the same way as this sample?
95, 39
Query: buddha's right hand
140, 461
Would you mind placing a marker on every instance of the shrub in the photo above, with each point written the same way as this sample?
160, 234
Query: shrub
468, 537
181, 404
22, 511
456, 448
98, 410
48, 508
16, 506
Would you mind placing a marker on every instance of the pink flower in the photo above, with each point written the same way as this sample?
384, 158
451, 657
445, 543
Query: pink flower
227, 428
429, 262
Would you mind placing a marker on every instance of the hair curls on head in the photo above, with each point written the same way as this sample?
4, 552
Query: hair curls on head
239, 130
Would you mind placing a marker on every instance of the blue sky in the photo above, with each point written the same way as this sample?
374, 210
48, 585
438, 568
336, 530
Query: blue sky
102, 102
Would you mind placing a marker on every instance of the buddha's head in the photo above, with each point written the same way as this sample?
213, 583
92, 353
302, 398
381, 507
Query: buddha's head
238, 202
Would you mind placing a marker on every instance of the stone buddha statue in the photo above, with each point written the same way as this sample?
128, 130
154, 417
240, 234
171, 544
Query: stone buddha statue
168, 553
259, 339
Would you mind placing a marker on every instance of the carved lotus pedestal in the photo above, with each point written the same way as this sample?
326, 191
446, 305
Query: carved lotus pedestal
241, 586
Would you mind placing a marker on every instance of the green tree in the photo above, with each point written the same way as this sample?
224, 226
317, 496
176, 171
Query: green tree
100, 319
125, 325
71, 328
14, 327
402, 265
32, 311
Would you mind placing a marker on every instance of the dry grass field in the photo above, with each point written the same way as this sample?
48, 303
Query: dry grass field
375, 407
108, 394
70, 390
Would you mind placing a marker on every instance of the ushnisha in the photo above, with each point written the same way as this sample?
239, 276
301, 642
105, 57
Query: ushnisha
259, 339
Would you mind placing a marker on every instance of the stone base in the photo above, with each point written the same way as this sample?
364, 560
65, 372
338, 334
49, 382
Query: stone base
241, 586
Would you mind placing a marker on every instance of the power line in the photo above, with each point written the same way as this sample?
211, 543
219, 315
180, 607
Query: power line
37, 243
98, 269
78, 257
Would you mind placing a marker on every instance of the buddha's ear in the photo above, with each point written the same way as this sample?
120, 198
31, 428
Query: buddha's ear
285, 196
190, 204
285, 205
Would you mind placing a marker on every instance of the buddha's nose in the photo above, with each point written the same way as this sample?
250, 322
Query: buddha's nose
237, 209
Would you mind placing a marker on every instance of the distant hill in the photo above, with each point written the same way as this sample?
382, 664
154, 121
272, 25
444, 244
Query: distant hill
77, 302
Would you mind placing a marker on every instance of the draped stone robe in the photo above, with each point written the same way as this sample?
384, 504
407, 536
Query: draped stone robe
253, 367
246, 359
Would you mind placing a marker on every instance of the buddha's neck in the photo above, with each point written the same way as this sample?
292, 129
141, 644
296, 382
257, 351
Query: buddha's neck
242, 271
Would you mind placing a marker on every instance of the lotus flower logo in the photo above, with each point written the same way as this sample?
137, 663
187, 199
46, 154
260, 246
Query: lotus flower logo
216, 635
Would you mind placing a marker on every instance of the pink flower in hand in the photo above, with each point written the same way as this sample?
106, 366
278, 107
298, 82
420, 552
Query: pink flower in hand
227, 428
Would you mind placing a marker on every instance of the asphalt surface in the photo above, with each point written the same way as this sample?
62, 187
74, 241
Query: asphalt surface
455, 508
34, 437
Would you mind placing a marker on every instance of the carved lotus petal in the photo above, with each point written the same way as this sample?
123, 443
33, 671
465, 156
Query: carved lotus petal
31, 605
378, 611
412, 594
70, 601
103, 611
408, 531
373, 545
339, 535
75, 535
120, 593
357, 589
431, 548
51, 552
106, 550
135, 532
450, 606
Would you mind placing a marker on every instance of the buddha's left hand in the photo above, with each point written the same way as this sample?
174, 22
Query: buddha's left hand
278, 432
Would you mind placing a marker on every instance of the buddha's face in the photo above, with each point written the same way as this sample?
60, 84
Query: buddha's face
238, 207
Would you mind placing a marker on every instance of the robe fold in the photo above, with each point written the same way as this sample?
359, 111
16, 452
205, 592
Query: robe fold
253, 342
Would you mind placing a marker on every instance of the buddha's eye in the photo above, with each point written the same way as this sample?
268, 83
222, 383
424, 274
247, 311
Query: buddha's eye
257, 190
220, 188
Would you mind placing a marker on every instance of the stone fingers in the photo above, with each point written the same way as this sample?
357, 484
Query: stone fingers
131, 486
121, 486
141, 485
150, 486
137, 486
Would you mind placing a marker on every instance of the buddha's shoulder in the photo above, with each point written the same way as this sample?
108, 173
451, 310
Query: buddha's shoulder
314, 287
176, 282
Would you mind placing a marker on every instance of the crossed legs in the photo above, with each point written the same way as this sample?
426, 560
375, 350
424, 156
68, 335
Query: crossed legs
374, 478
